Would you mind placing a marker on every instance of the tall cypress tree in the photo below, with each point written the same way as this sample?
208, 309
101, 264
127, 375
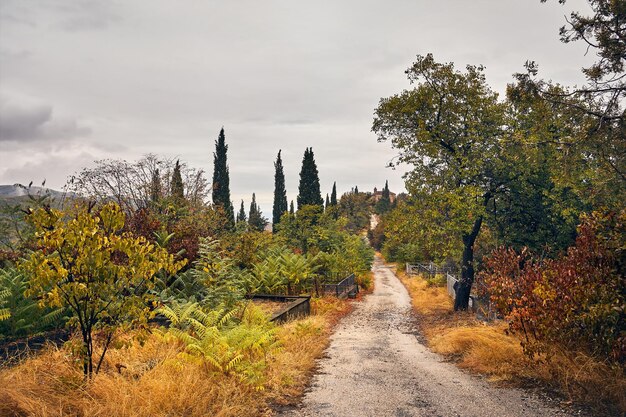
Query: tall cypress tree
384, 204
241, 216
221, 180
327, 204
177, 189
291, 210
309, 189
333, 195
155, 186
280, 193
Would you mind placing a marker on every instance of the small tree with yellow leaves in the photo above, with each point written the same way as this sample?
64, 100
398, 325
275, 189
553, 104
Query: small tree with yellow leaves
102, 275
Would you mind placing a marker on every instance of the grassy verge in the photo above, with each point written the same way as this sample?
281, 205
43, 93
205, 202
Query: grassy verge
153, 382
488, 349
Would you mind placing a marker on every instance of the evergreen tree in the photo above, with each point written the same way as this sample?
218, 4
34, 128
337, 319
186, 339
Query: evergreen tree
155, 186
221, 180
333, 195
291, 209
241, 216
356, 189
177, 190
384, 204
309, 189
280, 193
255, 217
327, 201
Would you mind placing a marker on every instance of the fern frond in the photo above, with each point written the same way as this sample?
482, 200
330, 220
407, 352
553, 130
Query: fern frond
5, 314
214, 362
227, 316
52, 316
233, 362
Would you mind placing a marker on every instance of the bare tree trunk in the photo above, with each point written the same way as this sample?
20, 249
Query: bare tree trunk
461, 300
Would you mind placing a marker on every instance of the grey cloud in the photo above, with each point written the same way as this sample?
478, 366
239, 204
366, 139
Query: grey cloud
161, 76
88, 15
34, 122
75, 15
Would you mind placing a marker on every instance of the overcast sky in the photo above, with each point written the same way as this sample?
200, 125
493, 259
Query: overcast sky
82, 80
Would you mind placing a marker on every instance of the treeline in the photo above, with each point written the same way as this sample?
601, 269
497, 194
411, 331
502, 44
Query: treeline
133, 240
527, 189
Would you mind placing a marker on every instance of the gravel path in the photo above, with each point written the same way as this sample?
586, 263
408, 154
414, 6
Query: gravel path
375, 366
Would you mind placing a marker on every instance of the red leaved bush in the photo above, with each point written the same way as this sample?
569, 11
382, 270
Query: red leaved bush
577, 301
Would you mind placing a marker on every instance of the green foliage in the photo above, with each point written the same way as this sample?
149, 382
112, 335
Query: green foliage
282, 272
221, 179
309, 188
426, 229
235, 341
576, 301
22, 316
85, 263
224, 282
356, 208
351, 255
280, 206
300, 230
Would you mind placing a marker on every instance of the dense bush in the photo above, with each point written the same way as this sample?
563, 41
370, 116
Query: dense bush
576, 301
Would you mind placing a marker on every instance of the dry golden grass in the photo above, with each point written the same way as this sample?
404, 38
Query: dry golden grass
154, 382
487, 348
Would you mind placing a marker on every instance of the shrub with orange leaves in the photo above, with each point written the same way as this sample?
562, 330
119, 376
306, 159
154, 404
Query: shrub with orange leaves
576, 301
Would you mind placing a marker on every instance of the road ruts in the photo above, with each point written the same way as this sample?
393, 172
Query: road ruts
376, 366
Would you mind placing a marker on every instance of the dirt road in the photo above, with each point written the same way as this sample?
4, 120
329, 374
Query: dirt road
375, 366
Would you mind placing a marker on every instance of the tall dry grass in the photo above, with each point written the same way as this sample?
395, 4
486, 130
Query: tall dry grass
488, 349
154, 381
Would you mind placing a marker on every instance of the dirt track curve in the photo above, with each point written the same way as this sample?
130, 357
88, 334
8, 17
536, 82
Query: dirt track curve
376, 366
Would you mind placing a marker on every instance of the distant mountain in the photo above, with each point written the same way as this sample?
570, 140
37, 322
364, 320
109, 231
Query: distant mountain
16, 193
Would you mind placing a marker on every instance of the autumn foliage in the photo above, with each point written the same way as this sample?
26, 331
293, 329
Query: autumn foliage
576, 302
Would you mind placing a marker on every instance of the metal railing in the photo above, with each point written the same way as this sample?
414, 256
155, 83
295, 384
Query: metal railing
343, 288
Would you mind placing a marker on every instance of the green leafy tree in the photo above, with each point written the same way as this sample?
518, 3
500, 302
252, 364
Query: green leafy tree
356, 208
85, 263
221, 179
280, 206
597, 106
300, 229
309, 189
448, 128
